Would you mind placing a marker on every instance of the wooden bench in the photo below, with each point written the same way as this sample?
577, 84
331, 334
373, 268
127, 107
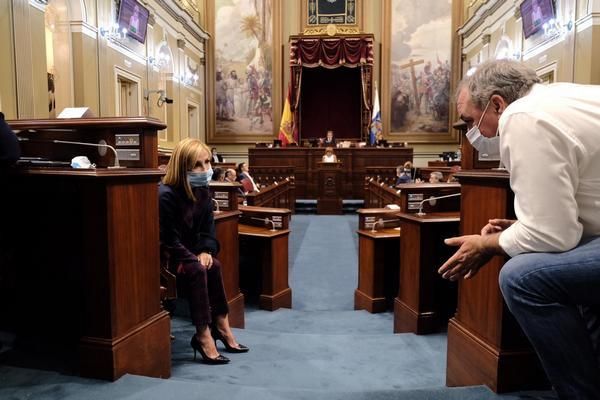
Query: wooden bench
264, 234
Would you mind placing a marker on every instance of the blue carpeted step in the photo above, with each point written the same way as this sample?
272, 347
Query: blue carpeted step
28, 384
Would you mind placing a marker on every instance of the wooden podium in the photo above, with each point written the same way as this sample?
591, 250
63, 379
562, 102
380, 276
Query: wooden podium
485, 343
377, 259
425, 300
81, 271
329, 198
264, 234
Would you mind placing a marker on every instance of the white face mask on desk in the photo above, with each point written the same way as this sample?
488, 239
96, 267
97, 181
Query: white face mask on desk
487, 147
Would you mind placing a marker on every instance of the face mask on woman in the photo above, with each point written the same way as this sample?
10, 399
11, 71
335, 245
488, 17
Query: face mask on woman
199, 179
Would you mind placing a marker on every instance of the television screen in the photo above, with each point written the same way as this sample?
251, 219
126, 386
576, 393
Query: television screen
535, 13
133, 17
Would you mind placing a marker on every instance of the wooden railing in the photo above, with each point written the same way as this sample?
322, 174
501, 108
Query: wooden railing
276, 195
266, 176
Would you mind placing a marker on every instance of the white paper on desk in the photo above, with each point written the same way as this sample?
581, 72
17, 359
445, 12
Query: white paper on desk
76, 112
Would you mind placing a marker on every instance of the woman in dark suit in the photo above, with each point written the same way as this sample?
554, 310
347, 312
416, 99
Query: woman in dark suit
187, 240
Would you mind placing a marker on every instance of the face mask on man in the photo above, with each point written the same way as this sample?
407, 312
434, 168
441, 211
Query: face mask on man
487, 147
199, 179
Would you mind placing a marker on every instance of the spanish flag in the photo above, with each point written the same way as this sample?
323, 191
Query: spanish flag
286, 128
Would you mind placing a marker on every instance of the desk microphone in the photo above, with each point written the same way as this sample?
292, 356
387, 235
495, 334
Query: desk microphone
216, 204
266, 221
102, 145
421, 213
381, 221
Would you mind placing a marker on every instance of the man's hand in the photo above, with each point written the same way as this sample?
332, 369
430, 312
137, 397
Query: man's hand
205, 259
474, 251
496, 225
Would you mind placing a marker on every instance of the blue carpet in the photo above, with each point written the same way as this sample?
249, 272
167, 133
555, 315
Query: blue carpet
320, 349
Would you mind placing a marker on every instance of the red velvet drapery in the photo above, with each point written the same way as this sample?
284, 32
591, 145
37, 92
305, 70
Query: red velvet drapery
353, 51
332, 52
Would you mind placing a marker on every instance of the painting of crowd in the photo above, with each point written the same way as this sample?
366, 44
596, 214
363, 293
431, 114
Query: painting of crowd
420, 97
243, 60
244, 99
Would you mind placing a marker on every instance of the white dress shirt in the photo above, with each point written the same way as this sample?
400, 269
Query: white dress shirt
550, 144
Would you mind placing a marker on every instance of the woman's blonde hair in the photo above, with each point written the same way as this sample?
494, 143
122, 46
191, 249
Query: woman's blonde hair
184, 158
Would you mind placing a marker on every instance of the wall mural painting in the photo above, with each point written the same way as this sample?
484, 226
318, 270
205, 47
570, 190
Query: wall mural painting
244, 66
420, 65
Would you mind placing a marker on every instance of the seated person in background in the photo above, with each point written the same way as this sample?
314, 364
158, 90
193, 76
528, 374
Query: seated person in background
230, 176
436, 177
218, 175
188, 241
9, 144
454, 169
329, 156
403, 173
329, 139
379, 140
244, 177
215, 157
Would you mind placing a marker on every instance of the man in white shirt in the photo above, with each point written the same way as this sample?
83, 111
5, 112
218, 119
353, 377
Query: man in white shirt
549, 141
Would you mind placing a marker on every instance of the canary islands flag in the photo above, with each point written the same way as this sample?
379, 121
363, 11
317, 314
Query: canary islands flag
375, 120
286, 127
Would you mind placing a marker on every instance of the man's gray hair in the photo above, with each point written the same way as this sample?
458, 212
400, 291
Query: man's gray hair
509, 79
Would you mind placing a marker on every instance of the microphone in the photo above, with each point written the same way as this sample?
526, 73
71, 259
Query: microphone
216, 204
266, 221
421, 213
381, 221
100, 145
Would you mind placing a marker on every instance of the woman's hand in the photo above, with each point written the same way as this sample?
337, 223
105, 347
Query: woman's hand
496, 225
205, 259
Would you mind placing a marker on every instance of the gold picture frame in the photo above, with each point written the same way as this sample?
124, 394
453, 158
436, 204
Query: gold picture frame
248, 130
449, 63
338, 17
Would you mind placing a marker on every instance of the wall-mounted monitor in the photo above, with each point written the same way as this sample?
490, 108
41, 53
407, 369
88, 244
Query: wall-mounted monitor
534, 14
133, 17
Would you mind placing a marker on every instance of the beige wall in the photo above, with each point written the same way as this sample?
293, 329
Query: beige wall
87, 64
570, 56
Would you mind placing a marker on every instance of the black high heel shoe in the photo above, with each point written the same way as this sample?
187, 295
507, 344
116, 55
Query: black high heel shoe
197, 347
218, 336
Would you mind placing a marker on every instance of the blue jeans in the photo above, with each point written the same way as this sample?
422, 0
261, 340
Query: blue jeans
547, 292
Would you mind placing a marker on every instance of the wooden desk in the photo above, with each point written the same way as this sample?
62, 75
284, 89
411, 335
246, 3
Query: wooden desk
266, 255
377, 259
329, 198
305, 159
226, 224
425, 301
82, 272
85, 274
485, 344
408, 196
226, 194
